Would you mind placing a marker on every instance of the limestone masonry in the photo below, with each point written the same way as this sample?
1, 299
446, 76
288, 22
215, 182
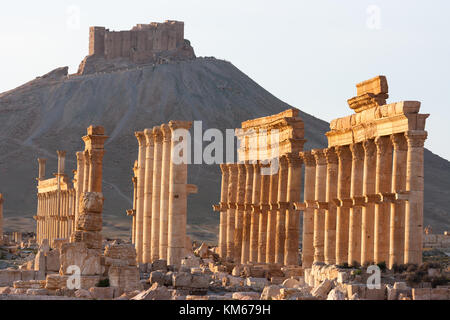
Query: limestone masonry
143, 44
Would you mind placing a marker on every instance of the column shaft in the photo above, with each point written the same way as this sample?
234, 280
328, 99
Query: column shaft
382, 210
231, 212
330, 213
140, 196
320, 197
308, 213
147, 229
272, 215
164, 208
254, 223
223, 211
239, 214
342, 215
264, 206
245, 254
356, 192
281, 212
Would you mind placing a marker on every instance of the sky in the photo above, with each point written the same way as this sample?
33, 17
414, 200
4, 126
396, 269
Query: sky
309, 54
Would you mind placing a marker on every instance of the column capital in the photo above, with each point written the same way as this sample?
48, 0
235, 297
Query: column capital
61, 153
399, 141
369, 147
175, 124
148, 136
157, 134
294, 160
331, 155
319, 155
382, 143
416, 138
357, 151
42, 160
167, 134
140, 137
344, 152
308, 158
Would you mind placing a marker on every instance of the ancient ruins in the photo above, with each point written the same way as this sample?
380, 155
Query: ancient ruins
257, 220
160, 195
363, 198
362, 207
55, 214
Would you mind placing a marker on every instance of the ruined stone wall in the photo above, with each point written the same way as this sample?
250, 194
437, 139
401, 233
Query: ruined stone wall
138, 44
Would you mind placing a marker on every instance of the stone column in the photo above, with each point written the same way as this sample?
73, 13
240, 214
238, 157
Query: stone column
80, 182
223, 211
245, 254
330, 213
164, 207
272, 214
368, 211
1, 218
59, 177
320, 197
308, 213
414, 187
148, 197
42, 162
140, 196
87, 166
282, 208
342, 215
264, 206
293, 216
156, 196
256, 209
239, 214
356, 192
382, 210
178, 191
231, 212
133, 213
397, 219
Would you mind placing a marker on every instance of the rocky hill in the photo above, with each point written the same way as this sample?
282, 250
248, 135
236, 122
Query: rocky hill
52, 112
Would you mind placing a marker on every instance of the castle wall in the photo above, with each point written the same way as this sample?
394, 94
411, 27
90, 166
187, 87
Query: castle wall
137, 44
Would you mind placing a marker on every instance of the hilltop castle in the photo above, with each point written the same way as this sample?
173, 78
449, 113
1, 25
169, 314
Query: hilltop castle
144, 43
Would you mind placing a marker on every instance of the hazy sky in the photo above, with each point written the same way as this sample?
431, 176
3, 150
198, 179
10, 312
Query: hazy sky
309, 54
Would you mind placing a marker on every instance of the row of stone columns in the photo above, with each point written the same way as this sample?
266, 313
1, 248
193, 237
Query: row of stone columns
364, 202
56, 206
257, 221
159, 217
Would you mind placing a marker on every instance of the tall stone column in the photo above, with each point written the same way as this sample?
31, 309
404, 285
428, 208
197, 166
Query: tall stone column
308, 213
147, 228
178, 192
397, 219
139, 243
293, 216
414, 187
256, 209
133, 211
356, 192
342, 215
264, 206
320, 197
59, 177
87, 166
223, 211
272, 216
245, 254
164, 207
330, 213
282, 208
231, 212
156, 196
1, 218
42, 162
89, 224
80, 182
239, 214
368, 211
382, 209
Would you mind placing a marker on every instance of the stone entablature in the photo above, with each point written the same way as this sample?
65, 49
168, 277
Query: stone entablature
373, 171
160, 196
271, 137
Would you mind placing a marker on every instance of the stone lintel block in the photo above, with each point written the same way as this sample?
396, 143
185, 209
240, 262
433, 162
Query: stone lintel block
376, 85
